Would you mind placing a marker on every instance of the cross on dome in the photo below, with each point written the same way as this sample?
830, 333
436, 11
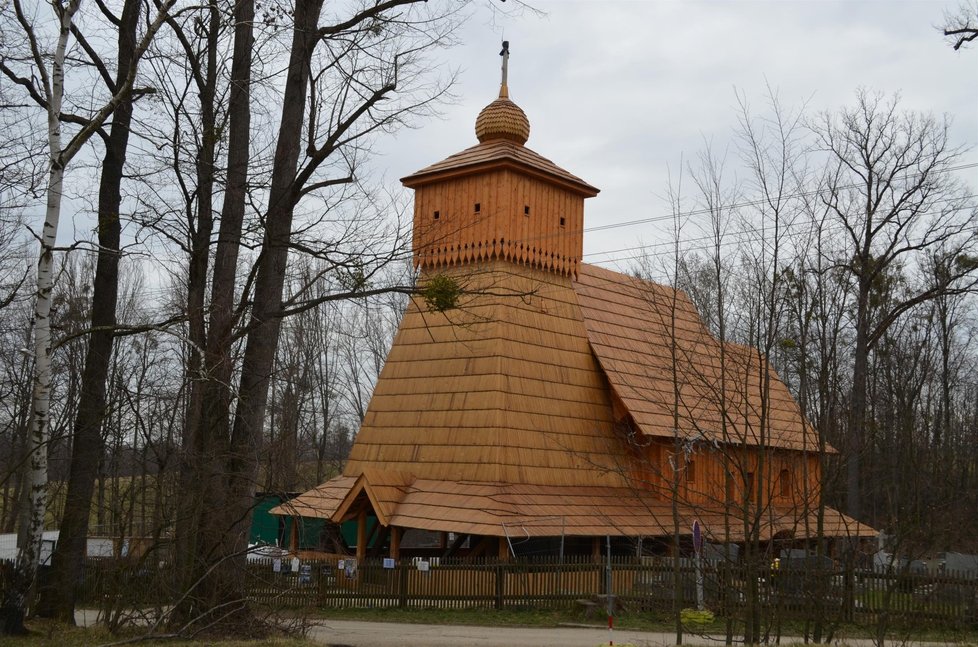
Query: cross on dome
503, 119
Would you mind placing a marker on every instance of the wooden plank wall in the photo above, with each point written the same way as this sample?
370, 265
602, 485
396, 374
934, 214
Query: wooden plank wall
518, 219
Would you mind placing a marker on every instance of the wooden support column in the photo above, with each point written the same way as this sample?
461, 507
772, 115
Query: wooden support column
379, 537
396, 542
362, 535
294, 535
456, 545
503, 550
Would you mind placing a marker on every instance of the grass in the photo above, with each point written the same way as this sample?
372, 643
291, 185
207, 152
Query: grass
46, 633
642, 621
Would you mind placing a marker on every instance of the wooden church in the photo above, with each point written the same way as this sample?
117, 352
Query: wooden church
559, 401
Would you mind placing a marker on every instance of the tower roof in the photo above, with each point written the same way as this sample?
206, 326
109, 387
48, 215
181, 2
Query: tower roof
495, 153
502, 129
502, 119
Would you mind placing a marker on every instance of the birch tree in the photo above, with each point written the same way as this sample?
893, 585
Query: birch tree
46, 87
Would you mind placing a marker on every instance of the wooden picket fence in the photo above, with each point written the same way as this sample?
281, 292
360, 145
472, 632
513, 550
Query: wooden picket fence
649, 585
637, 585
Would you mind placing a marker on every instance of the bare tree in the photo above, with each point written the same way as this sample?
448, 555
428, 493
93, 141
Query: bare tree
961, 26
353, 68
889, 187
58, 599
46, 87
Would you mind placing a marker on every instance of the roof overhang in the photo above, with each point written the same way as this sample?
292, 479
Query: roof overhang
499, 154
423, 178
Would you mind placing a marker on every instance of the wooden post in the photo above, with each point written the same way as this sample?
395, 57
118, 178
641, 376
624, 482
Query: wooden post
503, 550
294, 536
403, 574
500, 584
378, 537
361, 535
396, 542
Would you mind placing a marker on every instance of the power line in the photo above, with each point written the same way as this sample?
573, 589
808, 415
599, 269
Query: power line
730, 238
740, 205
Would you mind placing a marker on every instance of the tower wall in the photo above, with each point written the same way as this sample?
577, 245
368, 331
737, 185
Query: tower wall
502, 214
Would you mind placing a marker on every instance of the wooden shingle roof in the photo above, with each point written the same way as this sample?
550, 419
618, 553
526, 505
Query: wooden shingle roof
503, 389
500, 413
521, 510
647, 337
494, 153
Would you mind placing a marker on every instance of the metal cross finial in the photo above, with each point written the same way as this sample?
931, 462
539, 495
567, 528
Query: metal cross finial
503, 89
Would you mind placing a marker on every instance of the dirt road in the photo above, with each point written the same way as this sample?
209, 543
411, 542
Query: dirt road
348, 633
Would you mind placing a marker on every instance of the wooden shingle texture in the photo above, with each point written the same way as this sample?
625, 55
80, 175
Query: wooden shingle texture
498, 414
648, 337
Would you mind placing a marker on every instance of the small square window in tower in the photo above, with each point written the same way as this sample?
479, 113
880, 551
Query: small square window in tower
436, 215
563, 221
478, 207
526, 210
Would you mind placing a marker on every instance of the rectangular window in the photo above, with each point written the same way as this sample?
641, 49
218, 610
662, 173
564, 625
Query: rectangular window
785, 483
437, 215
478, 207
691, 472
563, 221
526, 210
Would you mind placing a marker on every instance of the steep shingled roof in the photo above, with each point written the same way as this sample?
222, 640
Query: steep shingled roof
500, 413
634, 326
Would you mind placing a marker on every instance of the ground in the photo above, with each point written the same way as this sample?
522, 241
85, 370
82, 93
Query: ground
360, 633
352, 633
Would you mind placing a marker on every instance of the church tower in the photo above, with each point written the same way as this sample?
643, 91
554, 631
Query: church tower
503, 388
499, 199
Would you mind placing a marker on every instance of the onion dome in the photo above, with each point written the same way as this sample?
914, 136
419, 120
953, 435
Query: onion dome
502, 119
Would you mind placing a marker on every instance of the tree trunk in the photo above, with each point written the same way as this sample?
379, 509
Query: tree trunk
857, 404
192, 479
265, 315
265, 321
58, 599
16, 598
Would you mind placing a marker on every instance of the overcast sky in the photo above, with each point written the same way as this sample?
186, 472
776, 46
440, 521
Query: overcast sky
619, 92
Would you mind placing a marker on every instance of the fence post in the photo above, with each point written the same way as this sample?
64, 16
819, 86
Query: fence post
849, 590
500, 584
403, 585
321, 582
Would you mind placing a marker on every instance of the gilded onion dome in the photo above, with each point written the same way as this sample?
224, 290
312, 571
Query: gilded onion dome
502, 119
